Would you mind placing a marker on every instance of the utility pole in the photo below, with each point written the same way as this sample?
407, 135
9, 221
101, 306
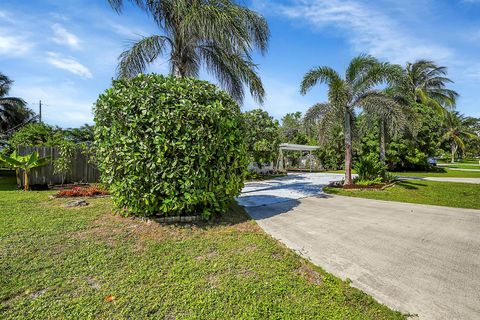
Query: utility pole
40, 110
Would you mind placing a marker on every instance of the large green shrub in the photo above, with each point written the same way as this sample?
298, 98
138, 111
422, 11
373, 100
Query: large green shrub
170, 146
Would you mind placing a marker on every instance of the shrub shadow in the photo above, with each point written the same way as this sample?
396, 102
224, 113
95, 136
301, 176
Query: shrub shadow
410, 185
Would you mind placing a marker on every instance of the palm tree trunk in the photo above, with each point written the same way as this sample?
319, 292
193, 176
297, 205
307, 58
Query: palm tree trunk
348, 150
382, 140
453, 151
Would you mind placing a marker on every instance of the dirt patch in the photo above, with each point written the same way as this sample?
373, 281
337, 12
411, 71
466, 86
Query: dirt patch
213, 280
247, 249
208, 256
312, 276
247, 273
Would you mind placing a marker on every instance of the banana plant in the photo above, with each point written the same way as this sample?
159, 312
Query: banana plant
25, 163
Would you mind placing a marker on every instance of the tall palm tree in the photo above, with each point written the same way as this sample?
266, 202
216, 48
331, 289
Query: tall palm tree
217, 34
456, 131
13, 111
390, 114
426, 83
344, 95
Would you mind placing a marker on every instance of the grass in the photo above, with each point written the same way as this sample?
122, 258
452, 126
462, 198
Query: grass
441, 173
460, 165
87, 263
460, 195
446, 174
471, 161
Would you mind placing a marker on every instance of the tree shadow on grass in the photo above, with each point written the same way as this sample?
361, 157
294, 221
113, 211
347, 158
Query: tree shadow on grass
410, 185
8, 181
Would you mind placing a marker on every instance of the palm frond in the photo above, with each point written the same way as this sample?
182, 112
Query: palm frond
319, 74
142, 53
233, 70
358, 66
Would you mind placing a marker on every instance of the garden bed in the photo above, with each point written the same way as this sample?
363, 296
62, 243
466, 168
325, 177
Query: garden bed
85, 191
377, 186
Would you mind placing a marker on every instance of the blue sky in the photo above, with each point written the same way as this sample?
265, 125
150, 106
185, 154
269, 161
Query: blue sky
65, 52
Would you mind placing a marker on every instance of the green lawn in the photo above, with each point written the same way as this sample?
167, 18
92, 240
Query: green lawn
460, 195
446, 174
472, 161
461, 165
85, 263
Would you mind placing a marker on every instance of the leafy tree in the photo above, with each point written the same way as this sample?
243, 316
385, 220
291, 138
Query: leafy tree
456, 132
472, 145
24, 163
292, 129
390, 116
13, 111
79, 135
218, 34
261, 135
36, 134
344, 95
63, 164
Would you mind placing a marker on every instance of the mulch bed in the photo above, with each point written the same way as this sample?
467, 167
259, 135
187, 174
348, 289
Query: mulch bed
379, 186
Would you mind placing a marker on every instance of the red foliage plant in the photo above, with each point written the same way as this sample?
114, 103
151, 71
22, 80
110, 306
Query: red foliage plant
82, 192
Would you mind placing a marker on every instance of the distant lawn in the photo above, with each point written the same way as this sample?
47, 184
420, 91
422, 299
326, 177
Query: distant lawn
85, 263
461, 165
471, 161
446, 174
460, 195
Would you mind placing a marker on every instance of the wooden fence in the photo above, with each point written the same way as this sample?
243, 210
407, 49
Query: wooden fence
81, 170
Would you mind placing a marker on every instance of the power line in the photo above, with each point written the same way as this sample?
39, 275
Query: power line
19, 125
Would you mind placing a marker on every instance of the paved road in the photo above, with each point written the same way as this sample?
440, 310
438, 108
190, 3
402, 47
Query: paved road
418, 259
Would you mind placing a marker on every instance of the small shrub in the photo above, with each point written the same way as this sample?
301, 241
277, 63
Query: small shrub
389, 177
369, 168
169, 146
372, 182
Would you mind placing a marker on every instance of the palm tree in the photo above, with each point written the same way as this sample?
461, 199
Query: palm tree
456, 131
426, 82
389, 113
13, 111
344, 95
217, 34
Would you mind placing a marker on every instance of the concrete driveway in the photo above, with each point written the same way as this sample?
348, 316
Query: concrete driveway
418, 259
291, 187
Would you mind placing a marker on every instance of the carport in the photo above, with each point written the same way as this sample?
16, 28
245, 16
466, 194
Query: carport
293, 147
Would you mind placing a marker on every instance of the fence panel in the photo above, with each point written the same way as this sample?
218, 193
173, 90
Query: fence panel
81, 169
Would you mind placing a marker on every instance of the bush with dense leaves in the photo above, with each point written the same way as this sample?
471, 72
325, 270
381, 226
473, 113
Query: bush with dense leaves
369, 167
170, 146
261, 135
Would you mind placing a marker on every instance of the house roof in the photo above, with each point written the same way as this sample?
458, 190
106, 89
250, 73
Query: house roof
297, 147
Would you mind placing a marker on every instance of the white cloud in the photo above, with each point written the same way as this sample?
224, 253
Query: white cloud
11, 45
367, 29
127, 31
69, 64
64, 37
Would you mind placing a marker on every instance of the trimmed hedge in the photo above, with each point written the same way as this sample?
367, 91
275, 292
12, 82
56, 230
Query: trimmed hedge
170, 146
